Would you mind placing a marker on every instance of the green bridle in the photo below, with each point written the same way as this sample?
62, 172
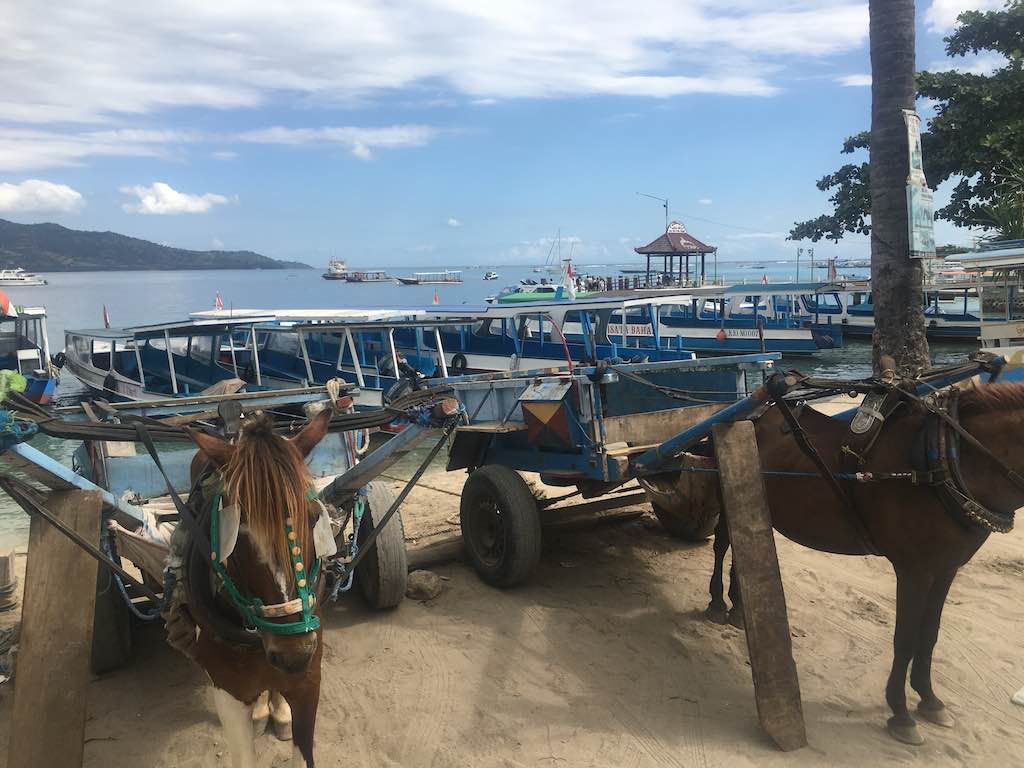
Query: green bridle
254, 612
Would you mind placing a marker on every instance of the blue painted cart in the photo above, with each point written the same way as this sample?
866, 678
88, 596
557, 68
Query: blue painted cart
593, 428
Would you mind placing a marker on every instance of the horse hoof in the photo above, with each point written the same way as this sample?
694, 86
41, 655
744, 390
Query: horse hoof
717, 615
938, 716
736, 618
283, 730
908, 734
259, 725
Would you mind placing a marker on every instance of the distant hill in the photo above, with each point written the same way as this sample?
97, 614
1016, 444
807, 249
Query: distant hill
53, 248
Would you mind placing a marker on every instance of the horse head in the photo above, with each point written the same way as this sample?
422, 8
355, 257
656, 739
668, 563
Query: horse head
265, 539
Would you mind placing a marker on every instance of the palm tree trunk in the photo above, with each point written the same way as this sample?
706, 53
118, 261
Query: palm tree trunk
895, 277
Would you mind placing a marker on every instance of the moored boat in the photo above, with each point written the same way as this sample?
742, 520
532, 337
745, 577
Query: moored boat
24, 348
337, 269
443, 277
369, 276
19, 276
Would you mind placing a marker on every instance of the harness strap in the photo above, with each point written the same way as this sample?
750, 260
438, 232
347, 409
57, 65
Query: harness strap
850, 510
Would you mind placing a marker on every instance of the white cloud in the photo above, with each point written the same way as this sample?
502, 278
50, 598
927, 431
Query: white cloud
161, 199
359, 141
224, 154
758, 236
854, 81
483, 102
218, 244
37, 196
705, 201
980, 64
246, 55
24, 149
454, 223
941, 15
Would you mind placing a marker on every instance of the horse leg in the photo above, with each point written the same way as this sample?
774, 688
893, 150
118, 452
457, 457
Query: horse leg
718, 611
911, 597
303, 703
261, 713
735, 596
281, 714
236, 719
931, 707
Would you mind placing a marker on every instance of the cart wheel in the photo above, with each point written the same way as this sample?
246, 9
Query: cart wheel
692, 523
112, 626
382, 574
500, 525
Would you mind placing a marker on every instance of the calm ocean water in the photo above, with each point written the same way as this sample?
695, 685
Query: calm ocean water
76, 300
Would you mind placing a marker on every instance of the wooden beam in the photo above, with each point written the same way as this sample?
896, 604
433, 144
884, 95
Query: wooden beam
656, 426
776, 687
48, 721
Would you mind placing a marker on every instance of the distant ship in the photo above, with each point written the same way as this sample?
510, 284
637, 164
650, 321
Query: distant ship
337, 269
19, 276
432, 278
491, 276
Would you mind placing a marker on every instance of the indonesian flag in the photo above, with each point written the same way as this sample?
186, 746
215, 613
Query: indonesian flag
6, 307
568, 281
437, 299
218, 302
764, 279
106, 317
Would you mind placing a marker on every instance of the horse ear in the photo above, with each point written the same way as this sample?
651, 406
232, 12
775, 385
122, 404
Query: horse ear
313, 432
216, 450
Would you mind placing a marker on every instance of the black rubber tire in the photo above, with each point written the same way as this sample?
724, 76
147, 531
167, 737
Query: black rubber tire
459, 364
383, 573
688, 527
112, 626
500, 525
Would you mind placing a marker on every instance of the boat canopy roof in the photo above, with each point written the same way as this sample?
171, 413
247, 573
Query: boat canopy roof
99, 333
195, 327
314, 315
996, 258
769, 289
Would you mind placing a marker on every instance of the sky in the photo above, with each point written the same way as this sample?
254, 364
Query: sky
440, 132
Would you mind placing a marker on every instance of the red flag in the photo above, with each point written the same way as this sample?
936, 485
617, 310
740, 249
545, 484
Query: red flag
437, 299
106, 317
218, 303
721, 335
764, 279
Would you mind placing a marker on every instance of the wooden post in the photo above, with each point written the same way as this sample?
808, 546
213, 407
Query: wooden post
776, 687
48, 722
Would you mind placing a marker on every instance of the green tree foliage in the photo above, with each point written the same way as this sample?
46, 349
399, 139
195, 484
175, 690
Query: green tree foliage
976, 134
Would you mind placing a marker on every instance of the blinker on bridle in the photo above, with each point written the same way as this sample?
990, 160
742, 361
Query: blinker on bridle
255, 614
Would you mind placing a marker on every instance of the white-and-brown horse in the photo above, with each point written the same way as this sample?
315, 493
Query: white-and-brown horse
266, 545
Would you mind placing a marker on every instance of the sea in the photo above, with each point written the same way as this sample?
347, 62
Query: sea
76, 300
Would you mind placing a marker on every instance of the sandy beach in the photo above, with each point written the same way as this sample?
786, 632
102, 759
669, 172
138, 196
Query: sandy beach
603, 659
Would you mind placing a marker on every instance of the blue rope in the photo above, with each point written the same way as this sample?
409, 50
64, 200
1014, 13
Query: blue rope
140, 614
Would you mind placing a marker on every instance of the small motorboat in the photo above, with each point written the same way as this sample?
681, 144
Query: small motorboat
491, 276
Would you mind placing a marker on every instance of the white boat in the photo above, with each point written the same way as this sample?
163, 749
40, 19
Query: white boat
432, 278
19, 276
337, 269
491, 276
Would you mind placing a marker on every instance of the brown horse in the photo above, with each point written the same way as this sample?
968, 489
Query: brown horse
906, 523
265, 475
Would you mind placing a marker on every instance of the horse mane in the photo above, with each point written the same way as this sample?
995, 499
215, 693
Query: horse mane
992, 397
267, 477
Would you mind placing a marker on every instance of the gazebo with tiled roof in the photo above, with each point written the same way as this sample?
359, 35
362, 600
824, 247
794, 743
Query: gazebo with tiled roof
676, 242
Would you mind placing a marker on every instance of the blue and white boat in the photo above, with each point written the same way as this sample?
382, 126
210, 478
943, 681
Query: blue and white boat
24, 348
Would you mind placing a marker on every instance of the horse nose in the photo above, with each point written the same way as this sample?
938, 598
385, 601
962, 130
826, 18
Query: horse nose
290, 663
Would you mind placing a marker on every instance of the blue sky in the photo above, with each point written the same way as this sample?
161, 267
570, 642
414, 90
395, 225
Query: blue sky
434, 132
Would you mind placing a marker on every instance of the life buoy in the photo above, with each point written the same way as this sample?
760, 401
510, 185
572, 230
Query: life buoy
459, 364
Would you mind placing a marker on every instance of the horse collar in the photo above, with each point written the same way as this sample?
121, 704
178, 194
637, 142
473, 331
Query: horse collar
255, 614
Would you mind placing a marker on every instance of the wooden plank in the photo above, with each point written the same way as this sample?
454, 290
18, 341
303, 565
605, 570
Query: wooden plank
495, 427
776, 686
48, 721
657, 426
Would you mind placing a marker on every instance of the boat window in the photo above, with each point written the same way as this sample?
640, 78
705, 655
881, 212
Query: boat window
486, 328
201, 349
101, 354
285, 343
572, 323
81, 349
